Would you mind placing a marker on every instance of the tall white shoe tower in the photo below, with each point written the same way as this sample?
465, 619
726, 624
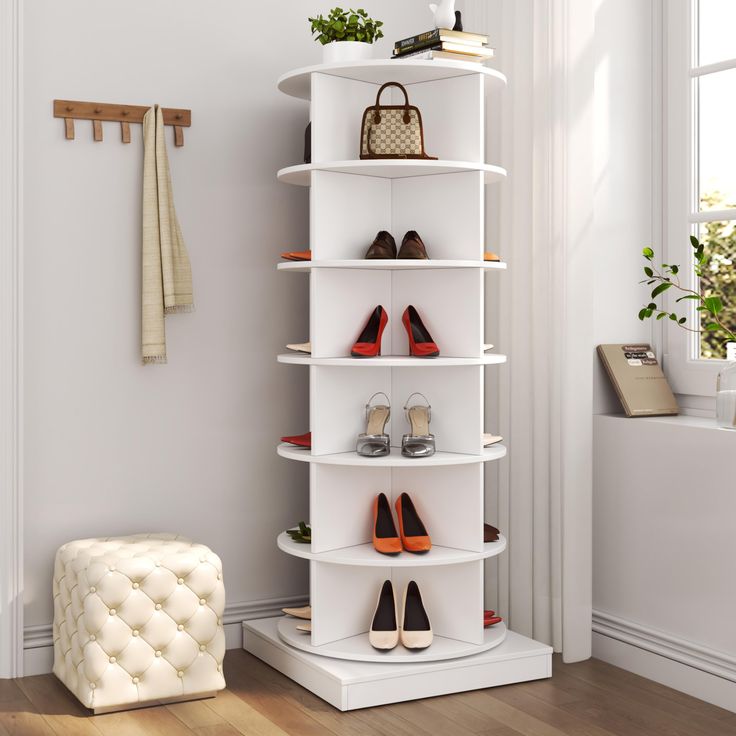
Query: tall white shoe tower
350, 200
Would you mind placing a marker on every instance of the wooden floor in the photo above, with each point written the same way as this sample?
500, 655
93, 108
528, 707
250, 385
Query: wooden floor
585, 699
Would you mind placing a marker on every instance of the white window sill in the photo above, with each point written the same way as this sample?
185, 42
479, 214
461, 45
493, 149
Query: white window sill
679, 420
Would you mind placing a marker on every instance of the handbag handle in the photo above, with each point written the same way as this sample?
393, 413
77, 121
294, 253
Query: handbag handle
377, 114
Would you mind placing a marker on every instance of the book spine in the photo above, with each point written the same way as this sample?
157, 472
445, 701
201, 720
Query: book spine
427, 46
427, 37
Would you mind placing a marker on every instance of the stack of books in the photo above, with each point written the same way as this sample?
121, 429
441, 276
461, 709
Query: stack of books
444, 44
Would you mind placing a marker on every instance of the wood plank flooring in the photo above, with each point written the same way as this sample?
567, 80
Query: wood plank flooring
584, 699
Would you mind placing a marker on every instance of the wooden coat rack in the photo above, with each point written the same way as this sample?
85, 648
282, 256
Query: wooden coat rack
98, 112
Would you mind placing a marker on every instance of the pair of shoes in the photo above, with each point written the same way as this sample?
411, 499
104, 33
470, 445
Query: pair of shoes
374, 442
368, 344
490, 619
297, 255
384, 246
490, 533
300, 440
412, 535
415, 631
305, 612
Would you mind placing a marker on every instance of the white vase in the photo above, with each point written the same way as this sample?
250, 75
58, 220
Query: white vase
444, 14
341, 51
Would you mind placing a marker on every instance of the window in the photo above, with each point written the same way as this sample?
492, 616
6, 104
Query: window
700, 175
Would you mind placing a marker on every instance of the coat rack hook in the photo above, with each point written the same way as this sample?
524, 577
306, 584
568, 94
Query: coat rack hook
69, 108
97, 130
178, 136
98, 110
69, 129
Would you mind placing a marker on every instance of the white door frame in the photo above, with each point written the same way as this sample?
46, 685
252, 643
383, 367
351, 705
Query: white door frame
11, 340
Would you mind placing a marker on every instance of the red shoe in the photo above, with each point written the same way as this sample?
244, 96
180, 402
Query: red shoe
368, 344
421, 344
300, 440
489, 619
297, 255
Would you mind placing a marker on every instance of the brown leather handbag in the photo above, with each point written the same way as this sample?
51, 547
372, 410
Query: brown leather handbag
392, 131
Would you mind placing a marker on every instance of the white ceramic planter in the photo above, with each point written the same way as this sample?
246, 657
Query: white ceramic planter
339, 51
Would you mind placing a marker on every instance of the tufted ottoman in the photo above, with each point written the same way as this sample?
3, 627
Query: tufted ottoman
138, 620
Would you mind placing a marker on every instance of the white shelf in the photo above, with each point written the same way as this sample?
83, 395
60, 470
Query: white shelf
391, 265
388, 169
394, 460
349, 685
358, 648
298, 83
391, 361
364, 555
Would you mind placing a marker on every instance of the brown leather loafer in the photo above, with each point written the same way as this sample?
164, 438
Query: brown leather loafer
490, 533
412, 246
383, 246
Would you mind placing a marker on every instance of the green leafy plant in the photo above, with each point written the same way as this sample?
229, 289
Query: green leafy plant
302, 535
710, 305
346, 25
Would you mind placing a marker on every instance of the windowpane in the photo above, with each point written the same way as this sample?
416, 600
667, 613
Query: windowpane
718, 278
716, 36
716, 144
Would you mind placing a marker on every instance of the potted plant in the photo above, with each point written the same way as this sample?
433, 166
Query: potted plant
346, 35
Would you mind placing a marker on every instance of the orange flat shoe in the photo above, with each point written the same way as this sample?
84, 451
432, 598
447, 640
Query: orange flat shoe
413, 533
385, 539
488, 256
297, 255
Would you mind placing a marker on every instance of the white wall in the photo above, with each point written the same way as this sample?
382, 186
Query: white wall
112, 447
663, 549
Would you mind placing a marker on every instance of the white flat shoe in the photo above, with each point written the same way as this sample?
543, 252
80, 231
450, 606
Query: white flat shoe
303, 612
384, 632
491, 439
300, 347
487, 346
416, 631
307, 628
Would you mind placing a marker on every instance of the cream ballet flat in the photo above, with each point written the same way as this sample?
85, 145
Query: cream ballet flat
416, 631
491, 439
384, 632
300, 347
307, 628
487, 346
303, 612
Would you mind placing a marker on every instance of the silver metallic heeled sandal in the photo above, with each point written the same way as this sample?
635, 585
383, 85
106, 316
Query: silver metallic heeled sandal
374, 442
419, 442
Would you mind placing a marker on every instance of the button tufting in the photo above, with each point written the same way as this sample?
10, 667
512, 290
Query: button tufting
135, 632
112, 611
180, 627
180, 674
180, 581
93, 589
158, 653
202, 601
202, 647
112, 568
92, 685
219, 576
158, 606
136, 680
92, 637
136, 585
113, 660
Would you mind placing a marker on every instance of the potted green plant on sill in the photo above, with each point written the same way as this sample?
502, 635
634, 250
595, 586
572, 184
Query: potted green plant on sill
346, 35
710, 309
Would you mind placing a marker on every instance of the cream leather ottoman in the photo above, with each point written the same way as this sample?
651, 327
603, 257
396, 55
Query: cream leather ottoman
138, 620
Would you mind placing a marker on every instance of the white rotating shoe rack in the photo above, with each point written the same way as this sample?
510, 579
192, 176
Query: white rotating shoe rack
351, 200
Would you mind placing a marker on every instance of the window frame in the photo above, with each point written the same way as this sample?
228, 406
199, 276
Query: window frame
688, 375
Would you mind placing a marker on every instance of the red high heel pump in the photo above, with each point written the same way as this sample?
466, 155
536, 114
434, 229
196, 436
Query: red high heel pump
368, 344
421, 344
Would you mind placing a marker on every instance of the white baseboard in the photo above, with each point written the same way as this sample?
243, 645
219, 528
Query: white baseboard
38, 643
672, 661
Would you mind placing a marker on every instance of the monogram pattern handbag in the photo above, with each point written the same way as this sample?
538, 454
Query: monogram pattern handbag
392, 131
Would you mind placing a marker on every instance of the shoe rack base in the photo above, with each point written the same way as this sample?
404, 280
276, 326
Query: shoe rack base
349, 685
358, 648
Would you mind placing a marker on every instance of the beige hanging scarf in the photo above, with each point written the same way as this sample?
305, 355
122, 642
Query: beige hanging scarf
166, 274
